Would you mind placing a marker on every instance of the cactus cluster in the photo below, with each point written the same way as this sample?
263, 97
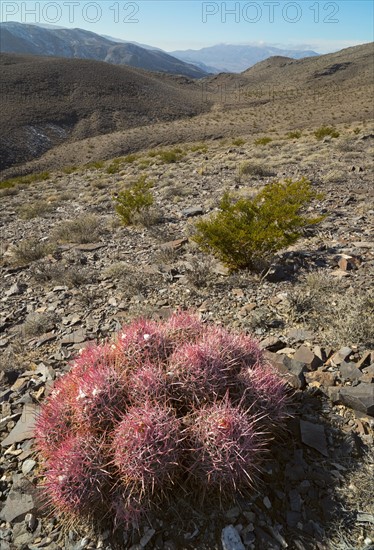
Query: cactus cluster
165, 406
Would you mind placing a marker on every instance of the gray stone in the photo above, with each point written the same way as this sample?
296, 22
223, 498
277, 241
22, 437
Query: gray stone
89, 247
76, 337
314, 436
360, 398
230, 539
27, 466
295, 501
292, 518
17, 288
17, 505
349, 371
233, 514
340, 356
305, 355
193, 211
149, 532
24, 427
291, 369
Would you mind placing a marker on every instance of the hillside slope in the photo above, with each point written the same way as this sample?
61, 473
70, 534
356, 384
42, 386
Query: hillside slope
47, 101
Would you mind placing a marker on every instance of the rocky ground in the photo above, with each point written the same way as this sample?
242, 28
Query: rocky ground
71, 274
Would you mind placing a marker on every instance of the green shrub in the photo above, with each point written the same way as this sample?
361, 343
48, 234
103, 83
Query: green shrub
294, 135
246, 232
94, 165
325, 131
263, 141
169, 156
30, 178
134, 200
238, 141
129, 159
200, 147
114, 167
70, 169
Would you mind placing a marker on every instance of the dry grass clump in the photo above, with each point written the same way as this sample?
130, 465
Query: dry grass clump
85, 229
357, 499
70, 276
30, 250
255, 169
199, 272
339, 316
36, 209
133, 281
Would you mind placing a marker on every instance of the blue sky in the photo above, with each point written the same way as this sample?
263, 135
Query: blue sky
321, 25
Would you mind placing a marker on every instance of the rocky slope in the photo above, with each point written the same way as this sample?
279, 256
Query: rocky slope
71, 99
71, 274
275, 96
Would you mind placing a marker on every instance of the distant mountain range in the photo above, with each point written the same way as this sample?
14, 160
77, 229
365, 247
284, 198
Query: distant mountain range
56, 41
235, 59
78, 43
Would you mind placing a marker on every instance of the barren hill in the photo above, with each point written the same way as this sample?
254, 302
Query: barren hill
135, 110
47, 101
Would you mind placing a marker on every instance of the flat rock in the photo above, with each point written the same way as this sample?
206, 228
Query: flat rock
313, 435
230, 539
17, 505
193, 211
76, 337
27, 466
292, 370
306, 355
349, 371
24, 427
340, 356
359, 398
89, 247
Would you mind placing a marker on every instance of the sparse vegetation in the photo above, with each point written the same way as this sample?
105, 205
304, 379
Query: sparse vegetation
255, 169
69, 275
85, 229
200, 147
70, 169
34, 209
24, 180
326, 131
294, 135
340, 318
246, 232
30, 250
238, 142
169, 156
94, 165
263, 141
134, 201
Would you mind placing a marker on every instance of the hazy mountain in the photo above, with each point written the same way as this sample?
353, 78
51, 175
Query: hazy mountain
235, 59
121, 41
78, 43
